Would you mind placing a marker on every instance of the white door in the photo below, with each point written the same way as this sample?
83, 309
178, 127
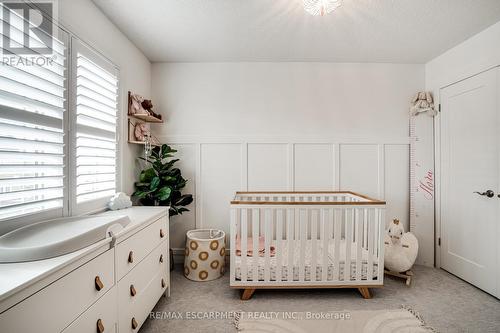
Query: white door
470, 162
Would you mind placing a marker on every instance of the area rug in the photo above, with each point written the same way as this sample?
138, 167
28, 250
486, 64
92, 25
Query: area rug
403, 320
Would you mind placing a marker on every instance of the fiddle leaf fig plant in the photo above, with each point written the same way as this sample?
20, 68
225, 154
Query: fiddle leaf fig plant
161, 183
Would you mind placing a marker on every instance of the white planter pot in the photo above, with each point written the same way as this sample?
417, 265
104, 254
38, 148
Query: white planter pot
204, 254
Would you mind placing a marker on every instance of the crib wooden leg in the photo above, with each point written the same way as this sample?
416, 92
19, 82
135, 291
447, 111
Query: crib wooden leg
365, 292
247, 294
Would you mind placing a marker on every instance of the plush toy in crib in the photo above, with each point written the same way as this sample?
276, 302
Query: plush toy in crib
401, 248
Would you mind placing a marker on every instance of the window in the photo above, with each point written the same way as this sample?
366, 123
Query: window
32, 115
58, 146
95, 124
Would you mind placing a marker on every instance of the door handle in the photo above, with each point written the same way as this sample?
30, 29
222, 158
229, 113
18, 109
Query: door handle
488, 193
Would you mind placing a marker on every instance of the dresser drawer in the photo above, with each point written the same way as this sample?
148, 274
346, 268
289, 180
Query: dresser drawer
139, 310
100, 317
131, 251
139, 290
53, 308
134, 283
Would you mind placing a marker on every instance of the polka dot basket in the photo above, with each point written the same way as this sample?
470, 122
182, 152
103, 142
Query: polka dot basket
204, 254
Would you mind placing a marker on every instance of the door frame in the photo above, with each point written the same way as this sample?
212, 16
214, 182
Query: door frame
437, 164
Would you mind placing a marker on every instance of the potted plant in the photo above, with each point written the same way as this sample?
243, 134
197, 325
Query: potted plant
160, 184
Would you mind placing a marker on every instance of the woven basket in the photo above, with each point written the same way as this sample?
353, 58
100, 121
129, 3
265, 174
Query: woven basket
205, 253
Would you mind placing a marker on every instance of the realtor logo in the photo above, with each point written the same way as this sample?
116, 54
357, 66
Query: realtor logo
27, 28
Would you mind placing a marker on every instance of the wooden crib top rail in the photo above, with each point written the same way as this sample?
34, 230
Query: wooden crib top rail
304, 198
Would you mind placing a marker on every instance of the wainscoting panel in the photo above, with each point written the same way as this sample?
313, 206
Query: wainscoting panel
314, 167
359, 169
220, 177
218, 167
268, 167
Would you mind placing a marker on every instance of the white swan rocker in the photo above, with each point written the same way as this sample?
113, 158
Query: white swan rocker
401, 249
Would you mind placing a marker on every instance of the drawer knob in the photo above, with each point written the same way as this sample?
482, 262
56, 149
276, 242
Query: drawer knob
133, 292
134, 323
161, 258
131, 257
162, 283
98, 283
100, 326
162, 234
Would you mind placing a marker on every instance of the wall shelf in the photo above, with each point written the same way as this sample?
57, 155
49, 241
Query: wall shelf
142, 143
143, 119
146, 118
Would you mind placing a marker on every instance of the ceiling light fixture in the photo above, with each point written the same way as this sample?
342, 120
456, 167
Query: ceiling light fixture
321, 7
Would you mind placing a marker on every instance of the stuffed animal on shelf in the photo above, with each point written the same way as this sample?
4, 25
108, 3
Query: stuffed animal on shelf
148, 106
423, 102
136, 105
401, 248
141, 131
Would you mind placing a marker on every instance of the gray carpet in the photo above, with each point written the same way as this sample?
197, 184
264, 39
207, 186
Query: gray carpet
445, 302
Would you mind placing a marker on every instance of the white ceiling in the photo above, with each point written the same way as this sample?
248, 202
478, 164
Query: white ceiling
399, 31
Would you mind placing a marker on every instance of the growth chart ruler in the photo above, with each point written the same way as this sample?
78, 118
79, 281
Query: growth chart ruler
422, 184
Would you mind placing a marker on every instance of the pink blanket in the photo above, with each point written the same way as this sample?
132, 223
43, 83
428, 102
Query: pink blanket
262, 247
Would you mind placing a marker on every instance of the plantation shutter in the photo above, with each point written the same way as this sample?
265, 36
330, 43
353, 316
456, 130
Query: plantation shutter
96, 124
32, 117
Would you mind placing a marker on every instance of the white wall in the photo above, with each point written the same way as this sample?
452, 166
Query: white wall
476, 54
479, 53
86, 21
286, 126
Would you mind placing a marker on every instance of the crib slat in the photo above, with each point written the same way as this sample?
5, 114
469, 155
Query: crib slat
303, 223
324, 237
381, 246
330, 226
375, 236
365, 228
348, 244
232, 243
290, 235
356, 225
279, 242
371, 229
267, 243
336, 239
243, 242
314, 238
255, 241
296, 219
358, 220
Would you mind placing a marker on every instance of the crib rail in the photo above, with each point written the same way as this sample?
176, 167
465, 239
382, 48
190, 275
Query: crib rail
304, 198
301, 239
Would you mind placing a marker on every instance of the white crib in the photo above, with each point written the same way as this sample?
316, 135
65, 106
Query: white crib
306, 240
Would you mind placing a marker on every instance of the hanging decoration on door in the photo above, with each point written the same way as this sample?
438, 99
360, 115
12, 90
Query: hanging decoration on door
422, 175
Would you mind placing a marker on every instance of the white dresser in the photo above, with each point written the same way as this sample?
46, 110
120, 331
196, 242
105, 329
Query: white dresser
110, 286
